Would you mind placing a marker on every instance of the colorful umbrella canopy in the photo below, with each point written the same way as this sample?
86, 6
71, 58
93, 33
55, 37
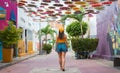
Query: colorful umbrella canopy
62, 7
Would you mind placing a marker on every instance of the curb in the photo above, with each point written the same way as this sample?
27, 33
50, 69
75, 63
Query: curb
15, 62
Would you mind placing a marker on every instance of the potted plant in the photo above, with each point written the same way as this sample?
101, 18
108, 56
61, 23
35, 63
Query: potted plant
74, 30
9, 36
44, 32
47, 48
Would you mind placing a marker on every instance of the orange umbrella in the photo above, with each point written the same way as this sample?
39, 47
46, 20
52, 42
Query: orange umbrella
67, 12
76, 8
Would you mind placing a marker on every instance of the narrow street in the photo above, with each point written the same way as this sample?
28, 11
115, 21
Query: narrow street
49, 64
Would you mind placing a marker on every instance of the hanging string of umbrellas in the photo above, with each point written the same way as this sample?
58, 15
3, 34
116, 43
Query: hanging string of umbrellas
55, 9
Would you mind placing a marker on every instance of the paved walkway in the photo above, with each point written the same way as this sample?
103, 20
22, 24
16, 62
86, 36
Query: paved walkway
54, 70
49, 64
17, 60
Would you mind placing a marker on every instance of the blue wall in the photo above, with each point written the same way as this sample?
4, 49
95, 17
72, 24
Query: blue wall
0, 51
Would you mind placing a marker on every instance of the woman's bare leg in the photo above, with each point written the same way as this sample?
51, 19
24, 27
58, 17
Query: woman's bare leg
63, 60
60, 59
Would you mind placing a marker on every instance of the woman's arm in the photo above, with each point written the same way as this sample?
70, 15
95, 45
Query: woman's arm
56, 42
66, 42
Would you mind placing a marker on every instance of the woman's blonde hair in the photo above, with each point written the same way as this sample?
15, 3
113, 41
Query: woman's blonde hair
61, 29
61, 32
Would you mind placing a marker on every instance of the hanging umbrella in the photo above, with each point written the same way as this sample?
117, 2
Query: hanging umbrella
68, 2
47, 1
57, 1
58, 5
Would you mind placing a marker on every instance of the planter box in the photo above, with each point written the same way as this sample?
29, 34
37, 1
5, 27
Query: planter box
82, 55
117, 61
7, 55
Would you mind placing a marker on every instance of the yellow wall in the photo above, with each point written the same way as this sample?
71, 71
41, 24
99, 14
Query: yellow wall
21, 48
30, 47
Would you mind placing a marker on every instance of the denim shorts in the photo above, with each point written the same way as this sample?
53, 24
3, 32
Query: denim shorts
61, 47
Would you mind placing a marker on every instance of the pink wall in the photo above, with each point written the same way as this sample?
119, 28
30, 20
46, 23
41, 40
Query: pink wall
11, 6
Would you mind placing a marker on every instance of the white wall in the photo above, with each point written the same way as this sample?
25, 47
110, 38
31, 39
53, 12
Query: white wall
27, 23
92, 24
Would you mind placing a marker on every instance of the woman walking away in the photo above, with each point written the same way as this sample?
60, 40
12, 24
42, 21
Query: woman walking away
61, 47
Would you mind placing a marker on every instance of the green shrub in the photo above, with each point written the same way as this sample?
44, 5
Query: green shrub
84, 44
74, 29
47, 48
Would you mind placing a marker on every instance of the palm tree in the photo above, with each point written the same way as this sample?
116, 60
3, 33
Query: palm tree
45, 31
77, 17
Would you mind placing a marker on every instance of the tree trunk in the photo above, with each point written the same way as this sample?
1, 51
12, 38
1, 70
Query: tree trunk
46, 39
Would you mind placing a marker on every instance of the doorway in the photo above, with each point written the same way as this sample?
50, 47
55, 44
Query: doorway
26, 42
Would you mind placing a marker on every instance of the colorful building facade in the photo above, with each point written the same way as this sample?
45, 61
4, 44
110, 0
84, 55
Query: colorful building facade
8, 11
